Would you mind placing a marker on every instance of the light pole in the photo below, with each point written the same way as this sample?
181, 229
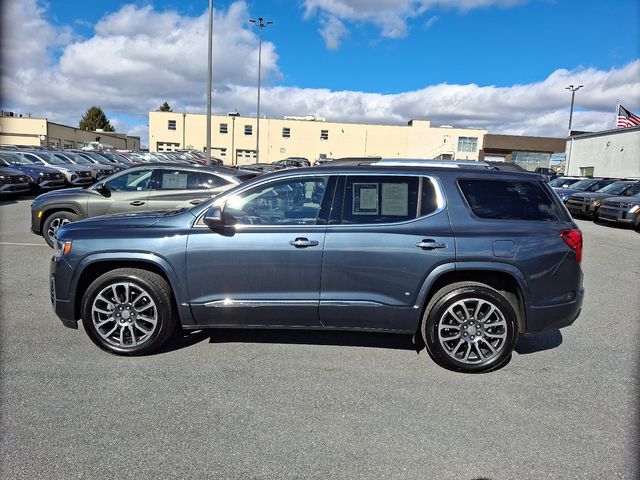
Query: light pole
233, 116
260, 23
573, 95
209, 86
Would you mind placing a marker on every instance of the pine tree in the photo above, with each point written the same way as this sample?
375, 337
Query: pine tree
165, 108
95, 119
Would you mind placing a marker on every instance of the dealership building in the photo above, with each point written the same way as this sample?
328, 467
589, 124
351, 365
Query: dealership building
39, 132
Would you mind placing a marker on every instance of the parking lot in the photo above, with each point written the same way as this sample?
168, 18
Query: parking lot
288, 404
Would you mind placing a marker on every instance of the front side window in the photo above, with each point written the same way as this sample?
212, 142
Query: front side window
131, 181
284, 202
467, 144
386, 199
171, 125
509, 200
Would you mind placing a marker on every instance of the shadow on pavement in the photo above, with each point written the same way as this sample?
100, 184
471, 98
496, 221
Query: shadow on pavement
538, 343
186, 338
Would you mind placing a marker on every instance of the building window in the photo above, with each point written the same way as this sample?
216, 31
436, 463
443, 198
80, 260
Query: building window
467, 144
286, 132
219, 151
248, 130
171, 125
531, 160
324, 134
223, 128
167, 147
586, 171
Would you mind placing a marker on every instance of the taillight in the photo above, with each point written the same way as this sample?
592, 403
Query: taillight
573, 239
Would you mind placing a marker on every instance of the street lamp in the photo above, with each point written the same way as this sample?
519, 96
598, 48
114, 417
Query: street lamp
233, 116
573, 94
260, 23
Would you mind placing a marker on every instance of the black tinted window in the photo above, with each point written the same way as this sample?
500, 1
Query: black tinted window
509, 200
380, 199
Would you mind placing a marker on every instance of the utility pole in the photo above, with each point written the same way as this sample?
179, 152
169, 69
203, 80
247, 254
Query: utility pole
209, 86
260, 23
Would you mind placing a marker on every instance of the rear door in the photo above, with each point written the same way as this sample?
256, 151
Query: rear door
389, 234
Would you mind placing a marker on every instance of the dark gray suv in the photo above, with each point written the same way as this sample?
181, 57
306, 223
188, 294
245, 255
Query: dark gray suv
467, 259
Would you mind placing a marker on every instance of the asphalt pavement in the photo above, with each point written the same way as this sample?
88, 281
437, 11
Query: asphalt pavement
320, 405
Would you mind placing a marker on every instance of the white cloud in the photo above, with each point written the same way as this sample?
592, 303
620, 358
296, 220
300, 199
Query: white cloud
390, 16
332, 32
139, 57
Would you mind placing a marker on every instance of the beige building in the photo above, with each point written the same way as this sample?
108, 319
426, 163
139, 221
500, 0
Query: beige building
233, 138
40, 132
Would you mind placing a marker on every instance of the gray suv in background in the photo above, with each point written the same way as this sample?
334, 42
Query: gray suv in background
466, 259
139, 189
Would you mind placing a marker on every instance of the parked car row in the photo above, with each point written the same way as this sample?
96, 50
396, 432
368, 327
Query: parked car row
612, 200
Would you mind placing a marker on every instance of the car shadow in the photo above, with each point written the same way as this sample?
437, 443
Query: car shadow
185, 338
538, 343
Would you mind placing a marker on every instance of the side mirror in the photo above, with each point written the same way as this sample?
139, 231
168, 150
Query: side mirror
216, 218
102, 188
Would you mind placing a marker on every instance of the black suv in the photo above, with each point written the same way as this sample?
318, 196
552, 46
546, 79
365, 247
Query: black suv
466, 259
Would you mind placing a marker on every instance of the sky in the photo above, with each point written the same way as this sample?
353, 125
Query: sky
502, 65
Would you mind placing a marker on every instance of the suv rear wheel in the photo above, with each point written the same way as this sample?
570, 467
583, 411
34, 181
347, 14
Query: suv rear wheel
470, 327
129, 311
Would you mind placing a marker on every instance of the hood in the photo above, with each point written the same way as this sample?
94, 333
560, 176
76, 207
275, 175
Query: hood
58, 195
591, 195
72, 168
634, 200
34, 170
11, 171
566, 191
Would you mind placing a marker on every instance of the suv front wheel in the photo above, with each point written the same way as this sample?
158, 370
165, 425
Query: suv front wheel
470, 327
129, 311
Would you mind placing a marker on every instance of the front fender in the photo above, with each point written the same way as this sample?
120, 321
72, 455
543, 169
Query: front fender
138, 260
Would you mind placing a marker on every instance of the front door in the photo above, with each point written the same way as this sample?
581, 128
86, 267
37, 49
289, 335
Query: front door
391, 232
265, 270
128, 192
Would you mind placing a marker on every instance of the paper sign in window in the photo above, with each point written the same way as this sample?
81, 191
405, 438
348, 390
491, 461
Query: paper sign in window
365, 199
174, 181
395, 199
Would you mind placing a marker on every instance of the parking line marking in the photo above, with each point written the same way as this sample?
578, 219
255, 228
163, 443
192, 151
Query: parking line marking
25, 244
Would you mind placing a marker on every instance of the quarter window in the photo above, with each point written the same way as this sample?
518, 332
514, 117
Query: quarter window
286, 202
467, 144
509, 200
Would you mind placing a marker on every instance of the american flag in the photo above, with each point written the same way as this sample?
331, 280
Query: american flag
626, 118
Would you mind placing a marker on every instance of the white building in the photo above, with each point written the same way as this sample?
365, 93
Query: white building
611, 153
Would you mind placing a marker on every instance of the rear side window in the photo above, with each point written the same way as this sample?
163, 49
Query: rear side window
509, 200
386, 199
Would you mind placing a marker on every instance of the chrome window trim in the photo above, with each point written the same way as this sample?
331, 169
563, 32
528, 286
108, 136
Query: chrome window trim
230, 303
437, 186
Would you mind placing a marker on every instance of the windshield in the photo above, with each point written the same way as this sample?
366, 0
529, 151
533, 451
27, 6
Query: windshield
615, 188
62, 157
633, 191
31, 160
558, 182
81, 160
582, 184
11, 158
52, 159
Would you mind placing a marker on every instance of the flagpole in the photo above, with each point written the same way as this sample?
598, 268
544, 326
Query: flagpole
615, 114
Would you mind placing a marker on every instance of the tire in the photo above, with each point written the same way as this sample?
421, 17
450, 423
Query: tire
54, 222
145, 314
457, 340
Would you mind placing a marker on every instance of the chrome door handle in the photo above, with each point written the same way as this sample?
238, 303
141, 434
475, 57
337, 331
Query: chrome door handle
137, 203
195, 202
430, 244
301, 242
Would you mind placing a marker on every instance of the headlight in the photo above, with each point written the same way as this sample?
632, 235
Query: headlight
634, 209
61, 248
40, 174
